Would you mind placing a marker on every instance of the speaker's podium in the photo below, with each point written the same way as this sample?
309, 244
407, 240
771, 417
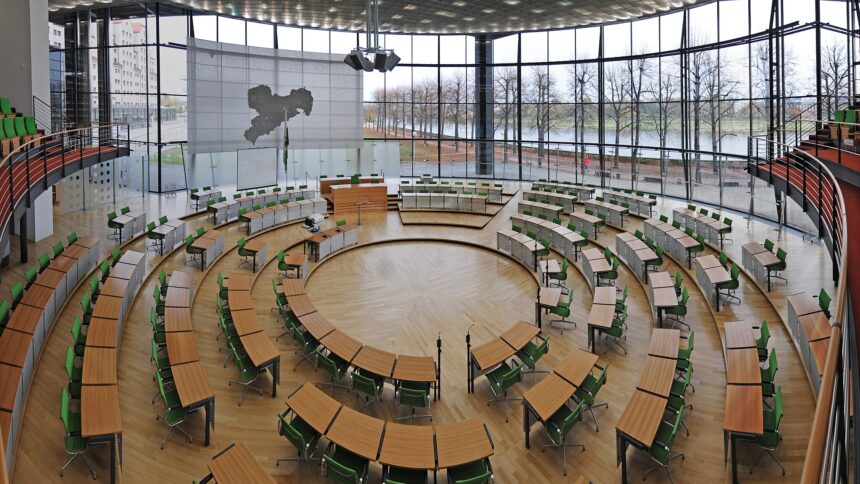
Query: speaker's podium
371, 197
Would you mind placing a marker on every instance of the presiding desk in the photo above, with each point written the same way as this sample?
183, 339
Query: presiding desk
371, 197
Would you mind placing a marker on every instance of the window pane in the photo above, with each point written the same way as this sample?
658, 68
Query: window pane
425, 49
703, 24
289, 38
670, 31
261, 35
205, 27
172, 71
646, 36
343, 42
315, 40
533, 45
402, 45
231, 31
454, 49
616, 40
587, 43
733, 19
505, 49
561, 45
173, 29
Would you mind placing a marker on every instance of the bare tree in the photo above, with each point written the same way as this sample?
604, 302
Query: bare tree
583, 89
639, 71
719, 91
454, 92
539, 96
617, 101
834, 76
506, 93
666, 113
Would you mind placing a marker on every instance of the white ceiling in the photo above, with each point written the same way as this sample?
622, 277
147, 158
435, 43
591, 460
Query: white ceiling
424, 16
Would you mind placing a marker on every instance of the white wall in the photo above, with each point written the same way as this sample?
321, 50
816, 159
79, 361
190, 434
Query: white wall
24, 32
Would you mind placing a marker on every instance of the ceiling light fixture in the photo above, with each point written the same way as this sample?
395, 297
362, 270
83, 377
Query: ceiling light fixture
374, 56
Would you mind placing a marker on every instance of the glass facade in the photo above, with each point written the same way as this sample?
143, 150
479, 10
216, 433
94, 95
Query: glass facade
663, 104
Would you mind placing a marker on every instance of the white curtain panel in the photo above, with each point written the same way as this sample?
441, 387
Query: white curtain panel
239, 96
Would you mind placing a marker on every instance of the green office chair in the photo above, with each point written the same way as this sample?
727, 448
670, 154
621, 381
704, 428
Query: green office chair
222, 289
57, 249
335, 367
156, 238
580, 245
621, 303
654, 265
478, 472
661, 449
503, 379
639, 234
4, 313
86, 307
650, 243
245, 220
343, 467
676, 224
769, 440
601, 224
824, 302
724, 260
680, 311
695, 250
307, 345
79, 338
679, 278
768, 376
76, 445
609, 277
663, 219
731, 286
104, 268
402, 475
414, 395
115, 226
73, 372
587, 392
195, 252
174, 412
30, 276
768, 245
531, 353
780, 266
367, 386
557, 278
115, 255
683, 364
44, 262
607, 254
162, 364
17, 294
559, 425
158, 300
304, 439
246, 255
282, 264
563, 310
726, 230
762, 341
248, 372
615, 333
162, 281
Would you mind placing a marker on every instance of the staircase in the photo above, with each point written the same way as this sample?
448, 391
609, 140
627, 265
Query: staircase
393, 201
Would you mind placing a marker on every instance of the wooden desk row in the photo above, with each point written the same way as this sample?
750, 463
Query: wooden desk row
520, 246
537, 208
392, 444
493, 191
757, 259
662, 293
22, 340
212, 245
173, 232
711, 228
635, 253
392, 367
229, 209
561, 238
256, 343
744, 418
100, 412
584, 221
639, 204
601, 315
710, 274
443, 201
674, 241
594, 263
567, 201
203, 196
189, 377
282, 213
326, 242
811, 329
614, 213
493, 353
131, 223
641, 418
581, 192
546, 397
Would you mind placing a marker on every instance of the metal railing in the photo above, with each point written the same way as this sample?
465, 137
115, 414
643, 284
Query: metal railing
827, 454
34, 161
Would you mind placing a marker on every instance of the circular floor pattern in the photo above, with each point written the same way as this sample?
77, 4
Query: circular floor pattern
400, 295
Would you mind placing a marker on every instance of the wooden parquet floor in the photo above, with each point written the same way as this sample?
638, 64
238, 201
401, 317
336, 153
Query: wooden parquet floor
400, 296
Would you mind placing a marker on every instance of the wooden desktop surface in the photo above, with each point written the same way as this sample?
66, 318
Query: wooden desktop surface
15, 346
744, 409
461, 443
657, 376
293, 287
742, 367
492, 353
408, 446
99, 366
178, 297
357, 432
259, 348
25, 319
665, 297
739, 334
520, 334
665, 343
239, 282
181, 279
239, 300
181, 348
123, 271
314, 407
191, 383
316, 324
10, 377
245, 322
548, 395
176, 320
575, 366
642, 417
108, 307
601, 315
237, 465
660, 279
114, 287
415, 368
102, 333
100, 414
342, 344
375, 360
301, 305
604, 295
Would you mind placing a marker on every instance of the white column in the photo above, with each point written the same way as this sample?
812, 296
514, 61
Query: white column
40, 217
